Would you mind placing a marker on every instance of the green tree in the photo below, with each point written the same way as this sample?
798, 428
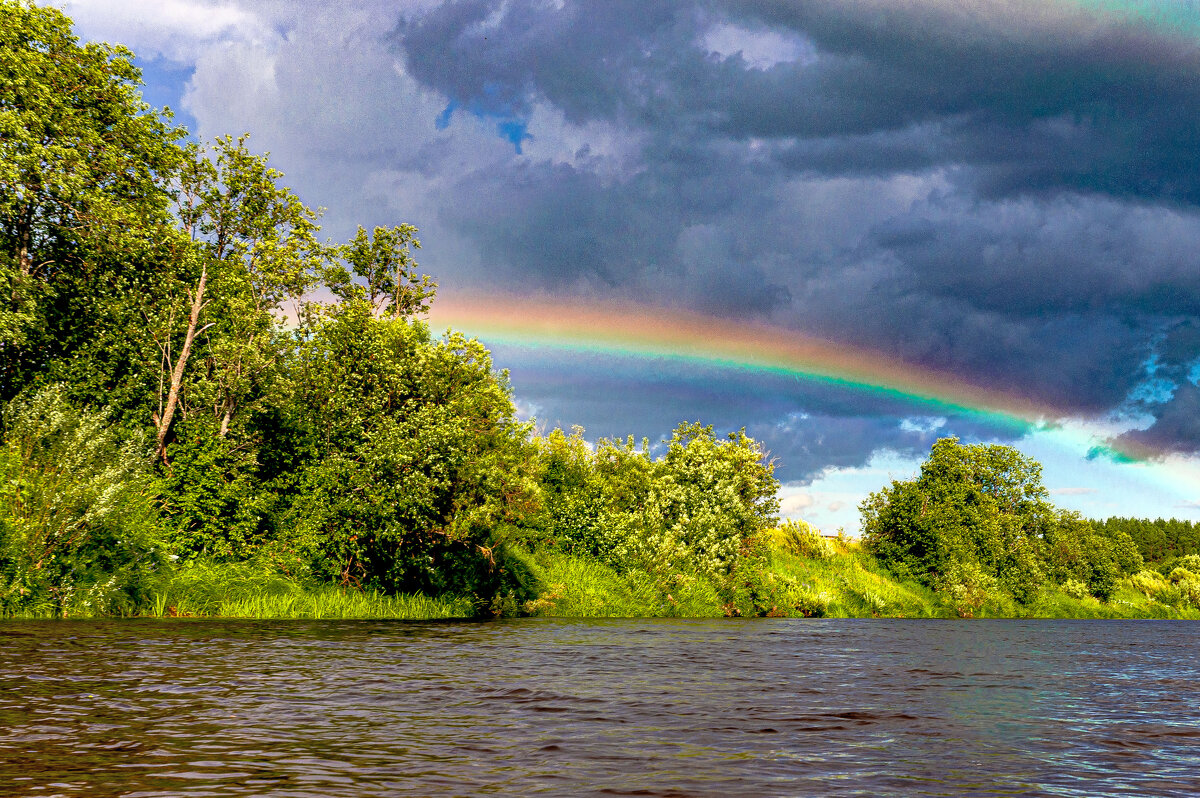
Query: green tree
384, 263
85, 186
979, 508
254, 247
410, 466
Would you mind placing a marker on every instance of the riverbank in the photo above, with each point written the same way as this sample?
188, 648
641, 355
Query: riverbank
837, 581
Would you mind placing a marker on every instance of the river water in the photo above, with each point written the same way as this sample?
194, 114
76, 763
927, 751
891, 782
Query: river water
639, 707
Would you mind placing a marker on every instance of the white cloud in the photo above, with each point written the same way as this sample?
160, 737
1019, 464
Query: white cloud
760, 49
179, 30
792, 502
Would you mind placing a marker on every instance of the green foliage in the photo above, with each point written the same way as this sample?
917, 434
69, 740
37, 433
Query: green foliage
385, 264
78, 532
1156, 540
576, 586
85, 176
1074, 550
801, 539
411, 466
212, 503
972, 509
976, 523
695, 509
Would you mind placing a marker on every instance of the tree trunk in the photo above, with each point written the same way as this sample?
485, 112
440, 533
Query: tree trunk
225, 419
164, 423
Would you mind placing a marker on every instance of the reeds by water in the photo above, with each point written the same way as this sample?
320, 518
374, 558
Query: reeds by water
238, 590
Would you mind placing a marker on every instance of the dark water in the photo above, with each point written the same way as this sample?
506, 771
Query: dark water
728, 708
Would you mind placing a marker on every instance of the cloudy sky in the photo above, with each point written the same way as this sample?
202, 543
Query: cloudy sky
1004, 190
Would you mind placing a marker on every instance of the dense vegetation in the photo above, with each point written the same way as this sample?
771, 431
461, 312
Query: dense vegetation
976, 520
1160, 539
164, 421
187, 431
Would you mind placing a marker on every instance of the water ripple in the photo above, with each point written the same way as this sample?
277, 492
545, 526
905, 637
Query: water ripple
656, 708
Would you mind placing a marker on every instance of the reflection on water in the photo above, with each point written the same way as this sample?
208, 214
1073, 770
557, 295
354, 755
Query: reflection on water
746, 708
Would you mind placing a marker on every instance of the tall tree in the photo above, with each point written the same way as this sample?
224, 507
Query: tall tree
384, 262
85, 173
254, 247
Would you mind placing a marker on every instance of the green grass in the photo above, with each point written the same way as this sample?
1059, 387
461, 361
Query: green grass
848, 583
580, 587
239, 590
837, 580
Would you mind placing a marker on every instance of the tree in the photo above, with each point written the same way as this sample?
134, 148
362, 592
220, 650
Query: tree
385, 264
253, 246
409, 464
85, 184
979, 515
979, 508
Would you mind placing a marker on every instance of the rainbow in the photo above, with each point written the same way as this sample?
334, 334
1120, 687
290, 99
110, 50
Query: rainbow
652, 333
639, 331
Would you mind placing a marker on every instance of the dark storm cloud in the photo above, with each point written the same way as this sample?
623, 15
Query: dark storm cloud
1176, 425
1005, 191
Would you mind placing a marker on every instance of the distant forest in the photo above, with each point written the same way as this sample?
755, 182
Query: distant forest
1157, 540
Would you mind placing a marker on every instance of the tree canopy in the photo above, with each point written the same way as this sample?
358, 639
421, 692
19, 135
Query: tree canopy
977, 517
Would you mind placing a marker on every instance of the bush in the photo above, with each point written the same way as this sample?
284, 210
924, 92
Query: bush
706, 500
1076, 589
1151, 584
78, 522
969, 588
801, 539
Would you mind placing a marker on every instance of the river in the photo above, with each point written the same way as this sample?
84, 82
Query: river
614, 707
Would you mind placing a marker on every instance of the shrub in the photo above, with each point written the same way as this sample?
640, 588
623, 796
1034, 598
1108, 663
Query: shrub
1148, 583
78, 522
1178, 575
213, 506
801, 539
1076, 589
969, 588
811, 604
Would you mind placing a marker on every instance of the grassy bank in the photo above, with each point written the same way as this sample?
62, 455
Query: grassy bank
839, 580
831, 578
239, 590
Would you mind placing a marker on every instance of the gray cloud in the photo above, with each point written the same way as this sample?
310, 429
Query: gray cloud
1007, 191
1048, 235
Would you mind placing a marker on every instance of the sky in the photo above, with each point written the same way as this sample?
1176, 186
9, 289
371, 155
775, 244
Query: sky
993, 207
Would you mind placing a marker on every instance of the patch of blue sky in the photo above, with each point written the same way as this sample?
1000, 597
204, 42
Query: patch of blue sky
509, 126
164, 84
443, 119
1153, 390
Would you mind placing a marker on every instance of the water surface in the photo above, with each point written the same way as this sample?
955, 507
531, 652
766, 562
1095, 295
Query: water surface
640, 707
